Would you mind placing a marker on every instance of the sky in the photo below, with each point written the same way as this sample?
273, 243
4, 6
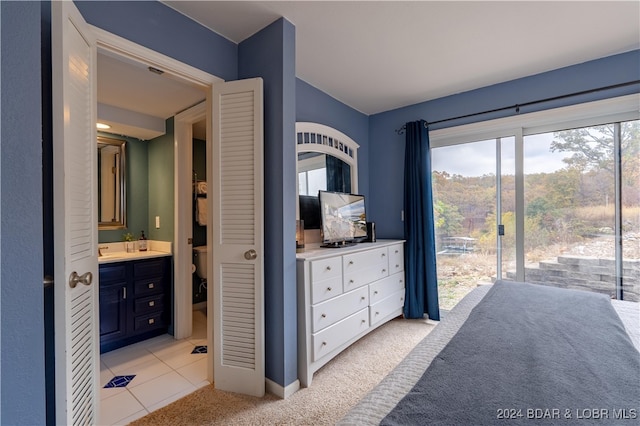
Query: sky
479, 158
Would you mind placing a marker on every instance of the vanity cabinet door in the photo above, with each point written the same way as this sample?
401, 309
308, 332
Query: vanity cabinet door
113, 303
113, 312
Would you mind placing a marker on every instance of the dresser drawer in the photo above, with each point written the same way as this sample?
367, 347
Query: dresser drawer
113, 272
339, 333
364, 260
326, 269
396, 258
327, 313
149, 267
385, 287
388, 306
148, 322
363, 268
143, 305
148, 286
326, 279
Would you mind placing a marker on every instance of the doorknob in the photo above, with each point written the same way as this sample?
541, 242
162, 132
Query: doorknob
85, 279
250, 254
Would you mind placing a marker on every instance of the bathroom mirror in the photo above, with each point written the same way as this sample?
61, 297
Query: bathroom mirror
112, 211
327, 160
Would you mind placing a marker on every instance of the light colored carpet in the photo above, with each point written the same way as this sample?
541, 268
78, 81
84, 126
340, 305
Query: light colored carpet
335, 388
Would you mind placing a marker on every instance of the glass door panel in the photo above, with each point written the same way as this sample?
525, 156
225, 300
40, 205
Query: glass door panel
464, 191
569, 194
630, 191
507, 203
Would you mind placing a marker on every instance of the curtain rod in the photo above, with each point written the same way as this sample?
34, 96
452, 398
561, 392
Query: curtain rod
517, 106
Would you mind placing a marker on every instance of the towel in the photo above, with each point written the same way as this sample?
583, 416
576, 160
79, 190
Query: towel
201, 211
200, 188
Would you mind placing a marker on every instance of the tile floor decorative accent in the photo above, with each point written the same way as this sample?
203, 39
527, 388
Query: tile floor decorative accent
141, 378
120, 381
199, 350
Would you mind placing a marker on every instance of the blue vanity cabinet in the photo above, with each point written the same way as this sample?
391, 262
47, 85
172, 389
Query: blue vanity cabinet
134, 301
113, 302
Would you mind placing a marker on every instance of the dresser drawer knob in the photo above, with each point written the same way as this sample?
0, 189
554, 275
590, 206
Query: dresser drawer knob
384, 254
152, 303
324, 343
323, 315
151, 320
152, 285
328, 268
351, 281
384, 270
375, 292
363, 321
328, 288
397, 266
377, 313
362, 298
397, 251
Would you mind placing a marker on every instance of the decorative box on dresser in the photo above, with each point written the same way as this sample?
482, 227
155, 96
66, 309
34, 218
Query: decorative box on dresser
343, 294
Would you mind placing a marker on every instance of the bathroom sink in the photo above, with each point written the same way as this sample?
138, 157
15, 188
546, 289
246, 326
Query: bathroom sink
124, 256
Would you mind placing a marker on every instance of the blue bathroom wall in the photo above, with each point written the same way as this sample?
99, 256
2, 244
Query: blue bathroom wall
22, 362
161, 180
137, 189
386, 159
316, 106
160, 28
270, 54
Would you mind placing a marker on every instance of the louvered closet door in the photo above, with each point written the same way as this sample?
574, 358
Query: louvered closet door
75, 217
237, 236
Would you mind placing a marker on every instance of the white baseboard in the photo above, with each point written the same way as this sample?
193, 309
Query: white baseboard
280, 391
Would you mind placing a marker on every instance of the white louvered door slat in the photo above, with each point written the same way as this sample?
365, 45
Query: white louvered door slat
75, 216
236, 233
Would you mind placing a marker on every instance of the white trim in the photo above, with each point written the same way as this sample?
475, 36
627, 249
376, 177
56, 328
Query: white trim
127, 49
621, 108
183, 148
336, 135
280, 391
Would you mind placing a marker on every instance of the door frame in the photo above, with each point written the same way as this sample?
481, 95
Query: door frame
105, 40
183, 179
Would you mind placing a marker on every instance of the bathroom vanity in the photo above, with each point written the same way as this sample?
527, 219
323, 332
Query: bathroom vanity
135, 298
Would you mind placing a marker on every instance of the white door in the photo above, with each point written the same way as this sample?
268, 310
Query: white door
236, 236
75, 217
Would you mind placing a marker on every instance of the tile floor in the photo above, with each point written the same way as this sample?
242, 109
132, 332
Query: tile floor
164, 371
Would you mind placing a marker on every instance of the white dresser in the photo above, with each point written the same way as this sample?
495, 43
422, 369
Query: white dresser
342, 295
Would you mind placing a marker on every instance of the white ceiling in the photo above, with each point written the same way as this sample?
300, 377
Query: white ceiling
382, 55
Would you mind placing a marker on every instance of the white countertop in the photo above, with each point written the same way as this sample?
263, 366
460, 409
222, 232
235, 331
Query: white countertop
115, 252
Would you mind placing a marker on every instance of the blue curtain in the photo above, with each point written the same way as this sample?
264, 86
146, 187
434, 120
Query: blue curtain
338, 175
420, 254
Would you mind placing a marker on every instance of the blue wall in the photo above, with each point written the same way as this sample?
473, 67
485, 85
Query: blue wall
160, 28
386, 159
317, 107
270, 54
22, 385
22, 370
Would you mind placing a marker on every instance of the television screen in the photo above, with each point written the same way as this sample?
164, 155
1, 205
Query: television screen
342, 218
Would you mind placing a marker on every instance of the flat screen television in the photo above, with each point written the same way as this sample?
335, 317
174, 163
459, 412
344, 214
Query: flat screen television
342, 217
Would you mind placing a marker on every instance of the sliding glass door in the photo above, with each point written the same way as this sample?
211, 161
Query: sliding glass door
581, 209
559, 208
468, 200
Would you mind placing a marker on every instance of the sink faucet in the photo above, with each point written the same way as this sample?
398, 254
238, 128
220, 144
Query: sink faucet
100, 250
